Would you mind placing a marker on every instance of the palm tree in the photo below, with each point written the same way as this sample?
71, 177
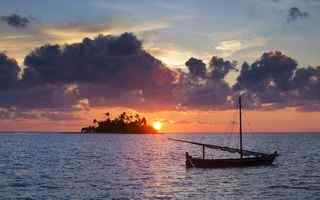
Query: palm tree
107, 114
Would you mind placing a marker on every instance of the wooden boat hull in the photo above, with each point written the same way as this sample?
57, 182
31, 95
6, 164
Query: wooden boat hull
226, 163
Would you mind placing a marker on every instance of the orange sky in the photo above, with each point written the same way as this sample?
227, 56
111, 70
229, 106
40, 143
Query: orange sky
287, 120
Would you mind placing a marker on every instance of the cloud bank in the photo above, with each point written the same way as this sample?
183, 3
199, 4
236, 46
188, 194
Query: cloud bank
16, 20
117, 71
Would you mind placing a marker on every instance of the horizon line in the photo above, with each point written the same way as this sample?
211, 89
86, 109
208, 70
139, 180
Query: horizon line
170, 132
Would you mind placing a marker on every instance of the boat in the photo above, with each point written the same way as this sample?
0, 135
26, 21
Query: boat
247, 158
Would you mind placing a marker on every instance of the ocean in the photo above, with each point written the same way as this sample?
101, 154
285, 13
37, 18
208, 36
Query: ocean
74, 166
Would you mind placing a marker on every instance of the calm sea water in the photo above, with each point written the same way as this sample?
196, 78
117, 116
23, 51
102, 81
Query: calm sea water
66, 166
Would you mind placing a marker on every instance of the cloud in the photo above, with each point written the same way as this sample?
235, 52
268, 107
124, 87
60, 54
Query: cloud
107, 70
209, 95
295, 14
273, 69
89, 61
116, 71
72, 32
197, 68
206, 89
19, 42
220, 67
16, 20
168, 53
230, 47
307, 83
45, 96
9, 71
275, 82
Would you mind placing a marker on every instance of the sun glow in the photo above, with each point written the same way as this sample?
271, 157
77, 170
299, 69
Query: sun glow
157, 125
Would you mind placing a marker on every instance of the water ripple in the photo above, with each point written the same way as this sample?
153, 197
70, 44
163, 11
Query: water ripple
58, 166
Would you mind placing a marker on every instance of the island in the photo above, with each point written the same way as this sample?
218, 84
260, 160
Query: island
122, 124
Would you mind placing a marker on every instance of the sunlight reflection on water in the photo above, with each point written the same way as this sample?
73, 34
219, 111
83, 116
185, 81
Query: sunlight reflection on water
58, 166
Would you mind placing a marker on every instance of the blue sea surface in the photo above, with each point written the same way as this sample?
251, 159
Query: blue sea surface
74, 166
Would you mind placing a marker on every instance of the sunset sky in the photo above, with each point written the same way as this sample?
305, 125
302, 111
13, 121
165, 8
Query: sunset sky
180, 62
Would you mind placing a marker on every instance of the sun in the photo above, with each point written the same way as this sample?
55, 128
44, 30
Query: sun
157, 125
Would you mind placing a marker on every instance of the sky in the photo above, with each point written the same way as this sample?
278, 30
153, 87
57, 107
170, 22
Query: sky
184, 63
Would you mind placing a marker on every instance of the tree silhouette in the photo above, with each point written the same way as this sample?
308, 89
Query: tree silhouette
123, 123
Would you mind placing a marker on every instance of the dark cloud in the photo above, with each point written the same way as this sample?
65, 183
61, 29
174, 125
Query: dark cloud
197, 68
117, 71
106, 59
211, 91
208, 95
16, 20
19, 97
47, 96
272, 70
307, 83
9, 71
220, 68
107, 70
295, 14
275, 82
268, 80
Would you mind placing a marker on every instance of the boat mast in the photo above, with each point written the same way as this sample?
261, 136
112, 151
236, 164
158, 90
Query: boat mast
240, 127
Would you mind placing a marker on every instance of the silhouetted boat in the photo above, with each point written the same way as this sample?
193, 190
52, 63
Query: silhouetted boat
247, 158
